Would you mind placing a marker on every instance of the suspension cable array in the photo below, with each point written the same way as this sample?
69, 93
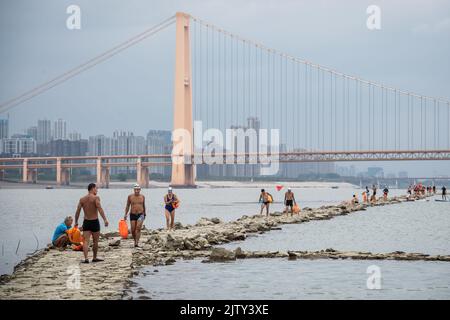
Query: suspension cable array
314, 107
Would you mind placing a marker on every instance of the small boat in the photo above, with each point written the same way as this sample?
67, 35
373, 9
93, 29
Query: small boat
48, 187
440, 200
335, 187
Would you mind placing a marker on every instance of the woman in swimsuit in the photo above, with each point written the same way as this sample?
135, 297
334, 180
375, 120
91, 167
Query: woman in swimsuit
169, 210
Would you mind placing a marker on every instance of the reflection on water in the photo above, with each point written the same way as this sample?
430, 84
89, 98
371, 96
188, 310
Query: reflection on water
301, 279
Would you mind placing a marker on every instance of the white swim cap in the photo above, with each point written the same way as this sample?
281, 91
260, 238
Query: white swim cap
136, 186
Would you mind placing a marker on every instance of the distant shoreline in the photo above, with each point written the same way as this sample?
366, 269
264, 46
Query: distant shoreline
200, 184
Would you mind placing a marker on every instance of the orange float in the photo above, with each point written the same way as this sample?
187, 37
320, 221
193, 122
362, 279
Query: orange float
123, 229
75, 235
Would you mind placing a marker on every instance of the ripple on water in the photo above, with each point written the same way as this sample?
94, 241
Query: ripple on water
300, 279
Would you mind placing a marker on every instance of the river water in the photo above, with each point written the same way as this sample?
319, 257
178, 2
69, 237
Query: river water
29, 216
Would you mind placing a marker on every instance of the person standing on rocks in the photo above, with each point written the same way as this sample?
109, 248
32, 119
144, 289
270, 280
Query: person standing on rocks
90, 204
385, 193
171, 201
264, 198
136, 207
289, 201
444, 193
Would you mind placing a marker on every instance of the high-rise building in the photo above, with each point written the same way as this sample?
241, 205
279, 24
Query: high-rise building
4, 128
99, 146
159, 142
74, 136
68, 148
32, 132
19, 146
60, 130
44, 131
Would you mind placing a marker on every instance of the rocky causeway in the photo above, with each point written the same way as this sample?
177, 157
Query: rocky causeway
52, 274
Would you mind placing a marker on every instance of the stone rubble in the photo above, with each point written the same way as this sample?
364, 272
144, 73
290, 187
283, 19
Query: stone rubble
44, 275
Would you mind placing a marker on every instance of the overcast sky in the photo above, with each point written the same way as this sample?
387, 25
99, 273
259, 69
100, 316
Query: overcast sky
133, 90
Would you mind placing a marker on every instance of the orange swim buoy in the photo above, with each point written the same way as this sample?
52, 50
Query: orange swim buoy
176, 204
296, 208
279, 187
74, 235
123, 229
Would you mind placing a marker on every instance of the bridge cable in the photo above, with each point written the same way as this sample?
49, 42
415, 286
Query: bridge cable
85, 66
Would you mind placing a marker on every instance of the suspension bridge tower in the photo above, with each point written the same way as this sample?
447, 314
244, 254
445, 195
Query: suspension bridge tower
183, 170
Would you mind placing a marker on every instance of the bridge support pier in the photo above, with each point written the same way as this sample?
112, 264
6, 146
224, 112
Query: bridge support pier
2, 174
142, 174
25, 171
183, 173
62, 175
28, 175
103, 177
32, 176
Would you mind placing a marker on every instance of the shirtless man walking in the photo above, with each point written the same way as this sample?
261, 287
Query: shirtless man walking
90, 204
264, 198
136, 202
289, 201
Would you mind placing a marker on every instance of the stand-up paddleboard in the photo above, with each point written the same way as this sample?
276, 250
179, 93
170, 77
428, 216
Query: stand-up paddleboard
440, 200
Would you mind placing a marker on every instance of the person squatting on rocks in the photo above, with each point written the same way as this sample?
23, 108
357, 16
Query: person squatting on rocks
60, 238
90, 204
136, 207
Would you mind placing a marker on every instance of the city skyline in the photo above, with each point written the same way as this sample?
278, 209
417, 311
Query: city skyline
158, 142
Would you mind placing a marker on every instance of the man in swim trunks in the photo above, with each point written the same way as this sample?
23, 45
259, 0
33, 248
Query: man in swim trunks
90, 204
169, 209
136, 202
60, 238
289, 201
264, 198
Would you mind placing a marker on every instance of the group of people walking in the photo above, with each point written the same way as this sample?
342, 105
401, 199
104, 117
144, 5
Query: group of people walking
135, 208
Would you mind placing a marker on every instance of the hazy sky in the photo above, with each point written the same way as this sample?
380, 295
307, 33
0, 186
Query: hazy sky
133, 90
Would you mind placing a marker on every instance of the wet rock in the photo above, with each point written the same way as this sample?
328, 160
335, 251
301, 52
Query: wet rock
170, 261
204, 222
201, 243
114, 243
110, 235
222, 254
292, 255
173, 243
178, 226
142, 291
236, 236
216, 220
239, 253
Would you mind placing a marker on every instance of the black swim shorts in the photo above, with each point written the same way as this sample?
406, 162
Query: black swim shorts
91, 225
289, 203
135, 216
